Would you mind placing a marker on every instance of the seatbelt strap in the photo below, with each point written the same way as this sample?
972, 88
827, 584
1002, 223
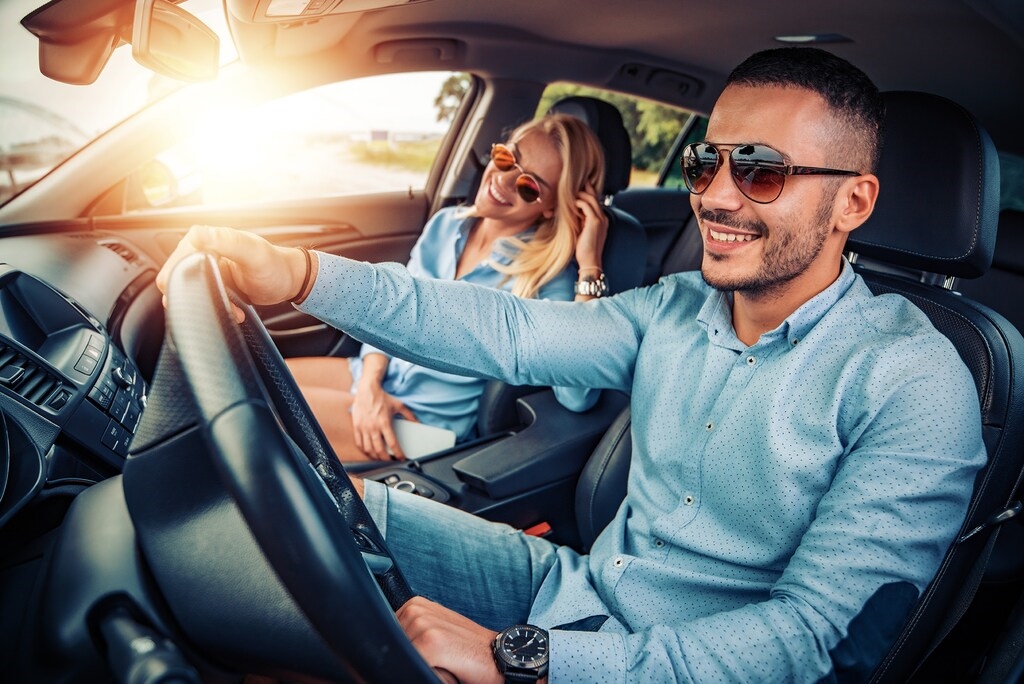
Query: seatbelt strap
973, 580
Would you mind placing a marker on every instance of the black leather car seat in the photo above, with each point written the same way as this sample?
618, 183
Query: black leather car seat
625, 249
928, 229
602, 484
1006, 276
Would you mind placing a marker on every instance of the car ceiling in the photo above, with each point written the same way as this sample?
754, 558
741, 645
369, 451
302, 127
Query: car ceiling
971, 51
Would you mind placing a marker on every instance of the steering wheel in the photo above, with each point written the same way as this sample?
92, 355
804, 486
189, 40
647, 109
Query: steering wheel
292, 491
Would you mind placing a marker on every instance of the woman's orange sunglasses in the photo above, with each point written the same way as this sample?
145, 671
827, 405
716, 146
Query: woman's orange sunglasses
504, 159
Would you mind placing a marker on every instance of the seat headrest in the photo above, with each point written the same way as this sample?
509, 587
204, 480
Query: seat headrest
605, 120
938, 202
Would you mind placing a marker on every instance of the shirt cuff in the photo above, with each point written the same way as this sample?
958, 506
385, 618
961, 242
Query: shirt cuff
597, 657
342, 286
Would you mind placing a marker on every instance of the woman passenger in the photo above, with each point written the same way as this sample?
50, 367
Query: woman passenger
536, 226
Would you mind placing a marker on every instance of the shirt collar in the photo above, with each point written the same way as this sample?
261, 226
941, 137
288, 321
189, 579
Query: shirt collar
807, 316
716, 313
503, 252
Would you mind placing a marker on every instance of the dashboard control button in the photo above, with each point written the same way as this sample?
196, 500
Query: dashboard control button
10, 374
119, 407
59, 400
86, 364
121, 377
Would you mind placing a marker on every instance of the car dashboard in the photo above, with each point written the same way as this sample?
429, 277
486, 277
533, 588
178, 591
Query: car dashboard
80, 328
87, 419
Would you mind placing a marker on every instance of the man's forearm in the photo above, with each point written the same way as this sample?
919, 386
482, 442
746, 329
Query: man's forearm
465, 329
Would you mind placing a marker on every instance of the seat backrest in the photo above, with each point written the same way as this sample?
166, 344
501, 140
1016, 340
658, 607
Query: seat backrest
602, 483
1006, 274
927, 228
665, 210
625, 248
664, 213
687, 252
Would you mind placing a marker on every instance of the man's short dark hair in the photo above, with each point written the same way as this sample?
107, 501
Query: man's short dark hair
846, 89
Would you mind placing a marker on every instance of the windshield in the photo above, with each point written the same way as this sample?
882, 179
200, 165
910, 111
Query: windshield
43, 122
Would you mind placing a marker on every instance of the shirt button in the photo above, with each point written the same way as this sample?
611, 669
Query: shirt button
659, 543
751, 360
709, 426
689, 499
618, 562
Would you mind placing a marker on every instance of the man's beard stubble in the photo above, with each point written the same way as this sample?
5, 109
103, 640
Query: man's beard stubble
787, 256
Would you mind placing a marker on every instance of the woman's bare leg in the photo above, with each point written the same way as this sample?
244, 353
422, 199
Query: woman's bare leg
326, 384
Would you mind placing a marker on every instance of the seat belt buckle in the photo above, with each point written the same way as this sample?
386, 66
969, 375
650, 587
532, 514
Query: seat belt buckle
1012, 511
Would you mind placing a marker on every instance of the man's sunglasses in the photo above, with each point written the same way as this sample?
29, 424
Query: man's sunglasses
757, 170
527, 185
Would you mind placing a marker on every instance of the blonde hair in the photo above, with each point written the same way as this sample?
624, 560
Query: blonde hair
553, 245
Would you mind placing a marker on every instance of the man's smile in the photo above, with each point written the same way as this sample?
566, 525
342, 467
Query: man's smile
726, 236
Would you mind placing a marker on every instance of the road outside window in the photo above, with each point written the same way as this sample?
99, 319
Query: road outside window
654, 130
378, 134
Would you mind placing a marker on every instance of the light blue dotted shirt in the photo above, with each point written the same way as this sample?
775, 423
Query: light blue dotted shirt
787, 501
446, 399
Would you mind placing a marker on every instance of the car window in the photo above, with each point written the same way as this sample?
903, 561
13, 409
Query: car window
43, 121
368, 135
672, 175
654, 129
1011, 181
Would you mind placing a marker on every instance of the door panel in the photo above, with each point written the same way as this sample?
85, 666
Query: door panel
375, 228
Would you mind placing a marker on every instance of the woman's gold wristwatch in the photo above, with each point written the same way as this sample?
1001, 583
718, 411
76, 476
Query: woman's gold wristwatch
592, 286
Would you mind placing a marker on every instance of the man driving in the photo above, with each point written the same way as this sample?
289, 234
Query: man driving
803, 451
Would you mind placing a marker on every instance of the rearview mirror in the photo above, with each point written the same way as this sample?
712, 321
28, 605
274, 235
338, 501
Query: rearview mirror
76, 39
171, 41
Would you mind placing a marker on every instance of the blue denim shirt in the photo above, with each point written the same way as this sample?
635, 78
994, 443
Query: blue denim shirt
450, 400
787, 501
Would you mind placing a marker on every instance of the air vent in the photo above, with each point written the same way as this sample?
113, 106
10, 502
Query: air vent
25, 377
122, 250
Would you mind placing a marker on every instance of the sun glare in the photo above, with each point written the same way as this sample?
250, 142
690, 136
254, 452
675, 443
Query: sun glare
365, 135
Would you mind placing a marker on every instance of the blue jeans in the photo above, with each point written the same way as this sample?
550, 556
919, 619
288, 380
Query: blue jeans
487, 571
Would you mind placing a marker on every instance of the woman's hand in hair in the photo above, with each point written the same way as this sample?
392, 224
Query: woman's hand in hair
594, 229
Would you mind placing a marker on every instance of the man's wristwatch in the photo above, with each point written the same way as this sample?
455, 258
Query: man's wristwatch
592, 286
521, 653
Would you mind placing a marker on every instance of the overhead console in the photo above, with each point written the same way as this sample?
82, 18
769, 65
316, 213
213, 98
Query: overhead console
290, 10
57, 362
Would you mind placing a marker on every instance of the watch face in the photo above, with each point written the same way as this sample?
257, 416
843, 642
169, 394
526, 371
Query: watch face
524, 646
